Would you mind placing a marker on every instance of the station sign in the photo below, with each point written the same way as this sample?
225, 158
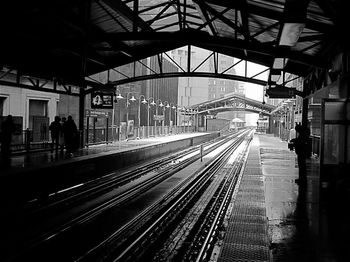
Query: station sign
281, 92
101, 100
95, 113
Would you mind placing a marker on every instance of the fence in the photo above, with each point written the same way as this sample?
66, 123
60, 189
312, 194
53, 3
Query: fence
26, 140
103, 135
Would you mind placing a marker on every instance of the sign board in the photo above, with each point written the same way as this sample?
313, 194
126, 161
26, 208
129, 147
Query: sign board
281, 92
102, 100
158, 117
95, 113
130, 128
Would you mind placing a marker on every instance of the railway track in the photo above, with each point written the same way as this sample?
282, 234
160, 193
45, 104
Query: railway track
199, 207
150, 176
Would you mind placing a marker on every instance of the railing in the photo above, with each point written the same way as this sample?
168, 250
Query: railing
100, 135
27, 140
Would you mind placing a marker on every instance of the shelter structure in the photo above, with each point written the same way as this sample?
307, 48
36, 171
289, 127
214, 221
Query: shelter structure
68, 41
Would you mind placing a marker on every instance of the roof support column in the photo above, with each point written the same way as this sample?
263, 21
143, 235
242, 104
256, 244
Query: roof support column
188, 58
85, 9
136, 14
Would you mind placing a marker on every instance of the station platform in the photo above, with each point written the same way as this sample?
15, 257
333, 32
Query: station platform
275, 219
23, 161
35, 175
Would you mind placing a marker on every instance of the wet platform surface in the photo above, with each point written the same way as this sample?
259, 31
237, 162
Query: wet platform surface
281, 220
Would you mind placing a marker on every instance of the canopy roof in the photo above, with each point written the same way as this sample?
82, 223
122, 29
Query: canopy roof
71, 39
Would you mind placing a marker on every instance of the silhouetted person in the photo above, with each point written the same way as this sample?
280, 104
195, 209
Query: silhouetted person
7, 129
302, 149
62, 142
70, 132
55, 128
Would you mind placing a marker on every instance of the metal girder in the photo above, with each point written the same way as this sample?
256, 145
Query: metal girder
199, 39
42, 87
265, 11
186, 74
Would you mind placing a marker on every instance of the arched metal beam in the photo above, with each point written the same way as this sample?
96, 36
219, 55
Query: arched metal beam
184, 74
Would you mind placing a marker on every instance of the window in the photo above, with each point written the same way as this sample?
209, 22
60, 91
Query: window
37, 108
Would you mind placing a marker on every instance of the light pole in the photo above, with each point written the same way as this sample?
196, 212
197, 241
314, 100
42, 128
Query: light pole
161, 105
166, 105
117, 95
171, 107
144, 101
148, 107
132, 99
183, 112
175, 118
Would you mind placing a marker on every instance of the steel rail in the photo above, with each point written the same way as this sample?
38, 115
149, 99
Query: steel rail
105, 206
202, 179
205, 246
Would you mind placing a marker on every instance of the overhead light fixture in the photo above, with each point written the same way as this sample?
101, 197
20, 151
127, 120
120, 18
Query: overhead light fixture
279, 62
291, 33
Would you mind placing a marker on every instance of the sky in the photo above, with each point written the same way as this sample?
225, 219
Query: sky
254, 92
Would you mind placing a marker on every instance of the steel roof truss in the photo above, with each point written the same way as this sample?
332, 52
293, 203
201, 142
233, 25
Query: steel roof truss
175, 62
206, 59
111, 15
208, 21
227, 21
150, 22
265, 29
213, 18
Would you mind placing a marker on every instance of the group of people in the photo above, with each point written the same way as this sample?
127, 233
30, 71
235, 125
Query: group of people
64, 134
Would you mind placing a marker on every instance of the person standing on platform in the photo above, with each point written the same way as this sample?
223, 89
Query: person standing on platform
302, 149
55, 129
62, 142
70, 131
7, 129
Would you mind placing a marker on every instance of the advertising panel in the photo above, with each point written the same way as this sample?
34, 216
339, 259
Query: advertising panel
102, 100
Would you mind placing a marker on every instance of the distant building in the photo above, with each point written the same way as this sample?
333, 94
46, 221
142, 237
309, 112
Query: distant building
197, 90
191, 90
163, 89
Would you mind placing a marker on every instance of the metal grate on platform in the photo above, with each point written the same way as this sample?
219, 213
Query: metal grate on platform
246, 237
240, 252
